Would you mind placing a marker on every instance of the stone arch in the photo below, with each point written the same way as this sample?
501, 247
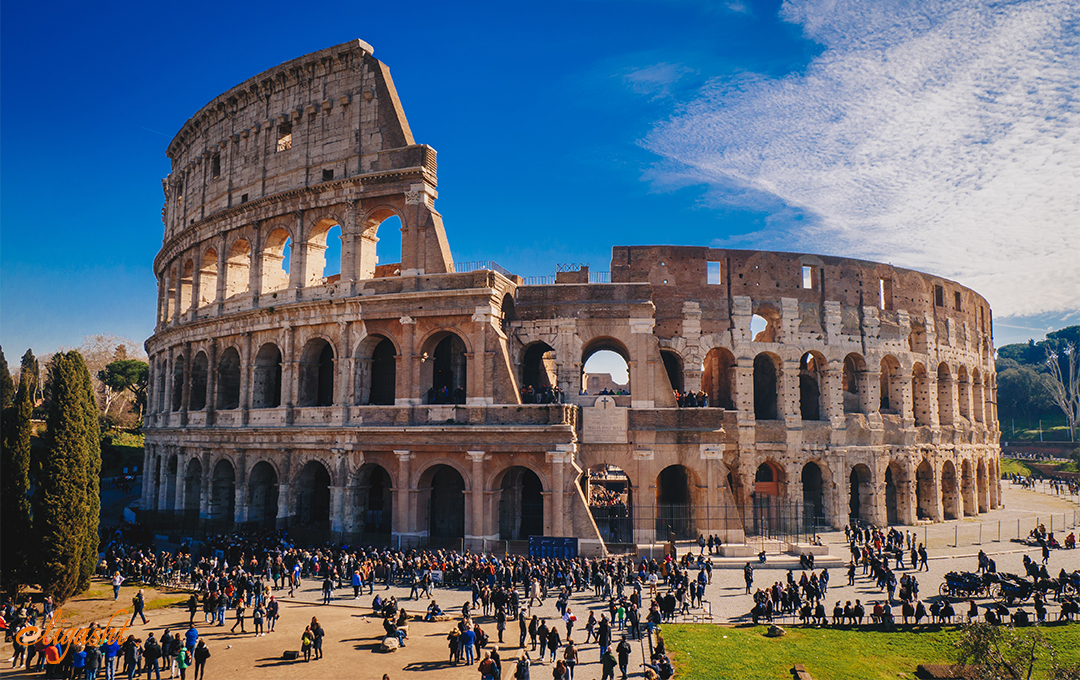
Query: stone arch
521, 502
199, 370
926, 493
508, 312
376, 370
945, 394
262, 497
982, 483
238, 268
920, 395
275, 264
770, 479
223, 492
228, 379
316, 373
853, 383
318, 242
609, 492
950, 492
767, 315
977, 399
538, 369
676, 491
968, 492
718, 377
374, 262
861, 494
187, 285
193, 486
178, 383
311, 497
374, 500
896, 499
208, 277
266, 385
604, 344
444, 368
816, 479
441, 488
812, 367
673, 366
892, 394
766, 386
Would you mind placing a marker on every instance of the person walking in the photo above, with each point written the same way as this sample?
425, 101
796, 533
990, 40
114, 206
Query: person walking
239, 616
116, 580
570, 656
201, 654
272, 613
623, 650
138, 602
608, 662
257, 619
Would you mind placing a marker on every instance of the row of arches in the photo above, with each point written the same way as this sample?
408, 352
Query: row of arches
270, 258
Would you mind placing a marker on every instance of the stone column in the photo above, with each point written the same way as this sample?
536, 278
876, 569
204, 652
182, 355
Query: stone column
407, 391
185, 398
211, 383
181, 483
477, 458
222, 274
283, 505
558, 459
337, 508
404, 498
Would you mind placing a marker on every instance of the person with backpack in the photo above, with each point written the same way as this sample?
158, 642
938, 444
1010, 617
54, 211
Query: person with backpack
201, 654
306, 640
487, 668
183, 660
138, 602
93, 661
152, 653
521, 671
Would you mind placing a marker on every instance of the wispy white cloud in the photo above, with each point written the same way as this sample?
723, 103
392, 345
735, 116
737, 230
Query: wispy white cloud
656, 80
941, 136
738, 7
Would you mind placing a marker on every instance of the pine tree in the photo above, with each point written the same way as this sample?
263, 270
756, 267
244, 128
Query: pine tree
66, 504
16, 567
7, 383
30, 368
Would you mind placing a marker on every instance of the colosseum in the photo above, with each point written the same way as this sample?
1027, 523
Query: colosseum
428, 402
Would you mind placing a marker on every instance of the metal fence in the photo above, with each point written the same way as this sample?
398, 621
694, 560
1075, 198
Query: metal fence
477, 265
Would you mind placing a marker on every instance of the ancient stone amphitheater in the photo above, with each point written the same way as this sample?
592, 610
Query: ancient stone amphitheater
398, 401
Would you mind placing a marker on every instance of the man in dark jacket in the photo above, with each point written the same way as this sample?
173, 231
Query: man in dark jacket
202, 653
623, 651
152, 653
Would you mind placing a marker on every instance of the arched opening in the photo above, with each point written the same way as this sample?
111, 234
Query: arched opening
187, 283
170, 483
892, 510
813, 494
605, 367
238, 269
920, 395
765, 324
275, 261
444, 369
611, 502
323, 254
169, 303
538, 374
208, 278
388, 248
861, 494
197, 398
925, 491
892, 398
157, 479
977, 398
316, 372
967, 489
446, 502
521, 505
765, 383
223, 493
263, 496
311, 509
950, 491
383, 373
984, 489
674, 506
769, 490
852, 383
945, 394
178, 383
673, 365
161, 382
767, 479
266, 386
374, 502
228, 379
193, 487
811, 368
718, 378
963, 393
509, 313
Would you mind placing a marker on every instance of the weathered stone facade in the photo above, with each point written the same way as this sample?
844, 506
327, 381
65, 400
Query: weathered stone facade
387, 400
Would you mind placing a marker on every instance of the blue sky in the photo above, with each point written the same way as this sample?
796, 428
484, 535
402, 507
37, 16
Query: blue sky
942, 136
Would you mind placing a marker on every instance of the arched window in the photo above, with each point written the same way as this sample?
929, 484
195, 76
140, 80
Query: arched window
266, 386
178, 383
811, 368
197, 399
443, 488
223, 493
892, 398
238, 269
380, 245
926, 491
521, 505
228, 379
950, 491
673, 365
765, 388
276, 256
208, 278
945, 394
852, 382
263, 496
376, 371
920, 392
674, 505
765, 324
538, 373
316, 372
861, 494
193, 487
611, 501
323, 264
718, 378
312, 505
605, 367
813, 493
374, 502
187, 280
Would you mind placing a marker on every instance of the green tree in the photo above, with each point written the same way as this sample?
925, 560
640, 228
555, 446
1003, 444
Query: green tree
7, 383
67, 502
16, 558
1022, 392
1003, 652
30, 367
127, 375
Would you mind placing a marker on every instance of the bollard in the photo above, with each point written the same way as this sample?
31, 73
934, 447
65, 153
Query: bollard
980, 533
956, 536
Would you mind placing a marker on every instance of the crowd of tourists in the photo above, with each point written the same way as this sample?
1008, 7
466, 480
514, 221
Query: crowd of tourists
545, 394
691, 399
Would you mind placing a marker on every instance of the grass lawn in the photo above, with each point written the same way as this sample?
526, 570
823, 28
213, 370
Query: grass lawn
709, 651
1011, 466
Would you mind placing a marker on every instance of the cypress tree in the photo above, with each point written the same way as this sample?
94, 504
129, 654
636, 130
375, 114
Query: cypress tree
66, 503
7, 383
16, 558
30, 368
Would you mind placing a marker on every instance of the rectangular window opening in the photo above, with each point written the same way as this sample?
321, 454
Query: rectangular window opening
939, 296
327, 175
712, 270
284, 142
215, 166
956, 301
807, 276
243, 198
885, 293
